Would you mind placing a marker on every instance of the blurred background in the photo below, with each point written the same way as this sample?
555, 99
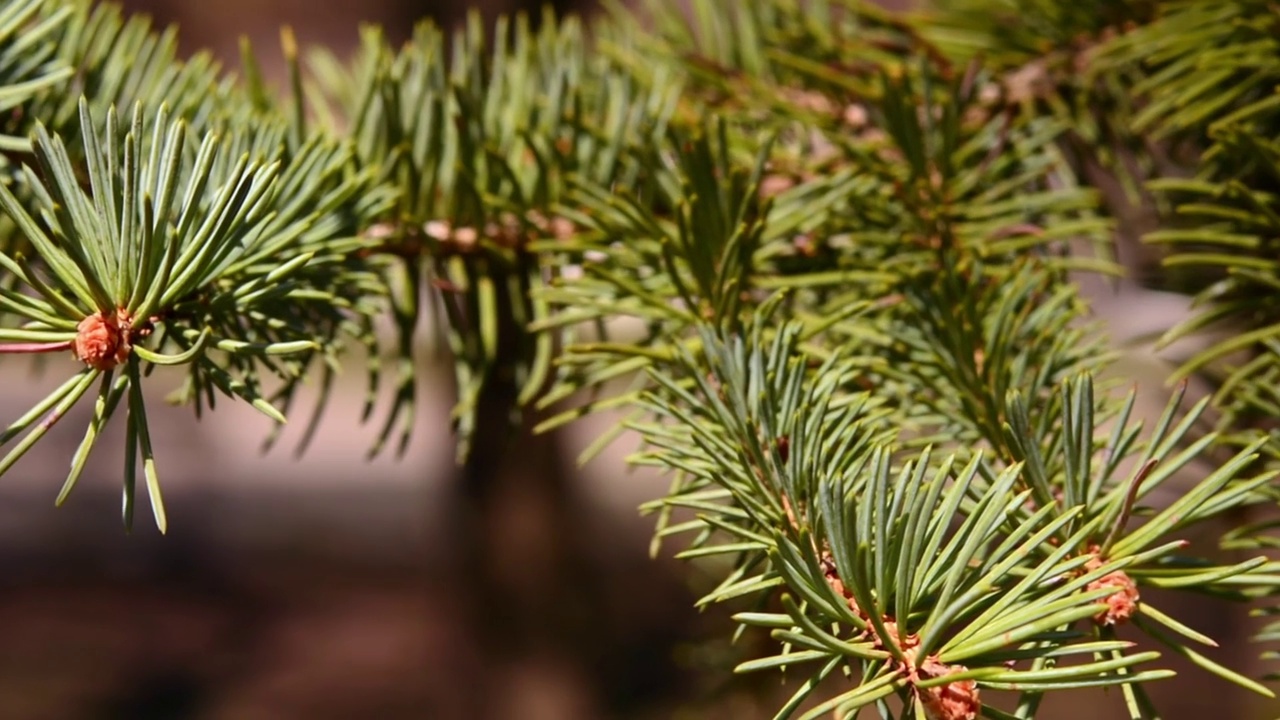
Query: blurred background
327, 586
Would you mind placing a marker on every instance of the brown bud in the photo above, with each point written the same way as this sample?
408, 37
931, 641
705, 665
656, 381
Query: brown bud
1122, 603
953, 701
102, 342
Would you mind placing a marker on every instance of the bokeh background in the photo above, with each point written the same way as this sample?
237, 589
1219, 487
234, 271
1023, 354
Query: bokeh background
330, 587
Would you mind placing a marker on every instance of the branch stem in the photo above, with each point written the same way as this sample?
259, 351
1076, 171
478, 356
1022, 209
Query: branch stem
27, 348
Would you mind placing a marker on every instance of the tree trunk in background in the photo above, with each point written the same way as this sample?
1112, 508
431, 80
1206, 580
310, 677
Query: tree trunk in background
527, 588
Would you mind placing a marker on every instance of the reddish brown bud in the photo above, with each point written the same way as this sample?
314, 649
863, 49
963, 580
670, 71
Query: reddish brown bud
102, 342
1122, 603
954, 701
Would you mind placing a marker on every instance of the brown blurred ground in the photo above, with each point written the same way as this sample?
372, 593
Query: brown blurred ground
329, 587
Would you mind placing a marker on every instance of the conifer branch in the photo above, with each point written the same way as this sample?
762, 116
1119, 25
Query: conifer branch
821, 256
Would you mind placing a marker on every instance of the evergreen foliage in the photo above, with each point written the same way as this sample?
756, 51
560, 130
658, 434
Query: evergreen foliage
820, 255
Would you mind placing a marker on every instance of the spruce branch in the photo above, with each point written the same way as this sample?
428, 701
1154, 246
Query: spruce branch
483, 144
827, 250
169, 259
1221, 105
121, 60
28, 64
861, 549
